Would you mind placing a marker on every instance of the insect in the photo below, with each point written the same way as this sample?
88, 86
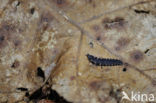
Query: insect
103, 61
22, 89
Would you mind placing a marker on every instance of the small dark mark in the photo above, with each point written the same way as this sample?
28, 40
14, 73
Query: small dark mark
90, 1
32, 10
18, 3
72, 77
98, 38
40, 73
47, 83
154, 82
107, 26
136, 56
46, 17
91, 44
106, 20
7, 31
95, 85
126, 64
60, 2
141, 11
8, 27
123, 41
17, 43
27, 94
95, 28
15, 64
124, 69
1, 38
116, 94
119, 19
22, 89
146, 51
117, 22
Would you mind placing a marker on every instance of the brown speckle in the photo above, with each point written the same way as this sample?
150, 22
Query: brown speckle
8, 27
6, 32
91, 2
15, 64
134, 81
154, 82
118, 19
2, 41
117, 48
106, 23
96, 28
106, 20
60, 3
136, 56
95, 85
45, 20
72, 77
46, 17
17, 43
98, 38
107, 70
116, 23
121, 43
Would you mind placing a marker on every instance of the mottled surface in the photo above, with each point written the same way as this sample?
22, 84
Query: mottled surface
59, 33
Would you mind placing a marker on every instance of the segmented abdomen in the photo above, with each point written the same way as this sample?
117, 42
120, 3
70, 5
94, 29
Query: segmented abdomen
103, 61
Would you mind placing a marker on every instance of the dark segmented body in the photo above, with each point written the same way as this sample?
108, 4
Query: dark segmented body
103, 61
